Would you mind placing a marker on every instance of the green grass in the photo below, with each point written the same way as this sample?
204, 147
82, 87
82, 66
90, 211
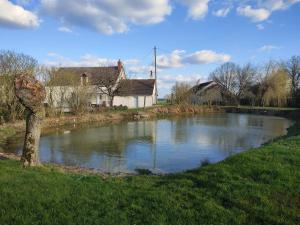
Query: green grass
261, 186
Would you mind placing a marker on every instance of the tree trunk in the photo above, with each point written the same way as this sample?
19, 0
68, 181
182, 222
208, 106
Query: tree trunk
111, 101
30, 156
31, 94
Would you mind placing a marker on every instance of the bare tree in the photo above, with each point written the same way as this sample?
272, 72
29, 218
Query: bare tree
180, 92
292, 67
109, 87
226, 76
245, 79
12, 63
79, 99
31, 94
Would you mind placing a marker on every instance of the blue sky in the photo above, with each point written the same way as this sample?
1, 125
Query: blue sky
193, 36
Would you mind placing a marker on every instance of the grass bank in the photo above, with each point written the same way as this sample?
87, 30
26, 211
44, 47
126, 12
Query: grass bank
260, 186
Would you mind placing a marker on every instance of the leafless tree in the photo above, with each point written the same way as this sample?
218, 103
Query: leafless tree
109, 87
11, 64
79, 99
180, 93
226, 76
292, 67
245, 79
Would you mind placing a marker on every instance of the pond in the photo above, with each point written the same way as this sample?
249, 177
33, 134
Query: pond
162, 146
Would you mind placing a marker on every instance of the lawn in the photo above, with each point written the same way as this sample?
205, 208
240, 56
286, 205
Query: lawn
261, 186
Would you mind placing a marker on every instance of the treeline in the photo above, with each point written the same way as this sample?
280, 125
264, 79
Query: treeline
275, 83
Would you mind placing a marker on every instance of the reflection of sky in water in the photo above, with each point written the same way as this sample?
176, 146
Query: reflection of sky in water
167, 145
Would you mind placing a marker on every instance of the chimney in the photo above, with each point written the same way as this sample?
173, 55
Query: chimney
151, 74
120, 66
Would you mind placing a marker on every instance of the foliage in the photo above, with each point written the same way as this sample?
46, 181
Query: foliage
276, 89
259, 186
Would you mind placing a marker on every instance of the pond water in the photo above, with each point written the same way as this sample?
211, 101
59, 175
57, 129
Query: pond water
163, 145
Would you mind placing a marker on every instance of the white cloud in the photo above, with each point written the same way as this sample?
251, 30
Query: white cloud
15, 16
173, 60
261, 10
256, 15
222, 12
179, 58
268, 48
197, 9
274, 5
107, 16
65, 29
86, 60
166, 81
141, 69
206, 57
260, 26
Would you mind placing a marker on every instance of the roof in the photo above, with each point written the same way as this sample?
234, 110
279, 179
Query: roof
202, 86
135, 87
94, 74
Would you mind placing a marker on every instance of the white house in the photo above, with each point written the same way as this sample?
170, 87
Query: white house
136, 93
105, 86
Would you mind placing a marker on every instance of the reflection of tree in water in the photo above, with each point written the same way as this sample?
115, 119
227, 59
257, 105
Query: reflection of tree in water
179, 129
119, 147
109, 142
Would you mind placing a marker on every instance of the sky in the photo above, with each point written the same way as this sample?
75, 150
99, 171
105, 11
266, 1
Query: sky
193, 37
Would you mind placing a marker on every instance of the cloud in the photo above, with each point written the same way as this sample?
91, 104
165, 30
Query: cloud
268, 48
260, 26
141, 69
263, 9
197, 9
256, 15
166, 81
206, 57
173, 60
65, 29
86, 60
106, 16
222, 12
15, 16
274, 5
179, 58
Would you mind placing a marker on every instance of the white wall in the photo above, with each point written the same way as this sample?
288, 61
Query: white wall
133, 101
129, 101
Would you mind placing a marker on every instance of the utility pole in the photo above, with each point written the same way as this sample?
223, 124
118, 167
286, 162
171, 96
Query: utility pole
155, 73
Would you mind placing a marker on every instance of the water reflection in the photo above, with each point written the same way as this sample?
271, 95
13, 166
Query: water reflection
166, 145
